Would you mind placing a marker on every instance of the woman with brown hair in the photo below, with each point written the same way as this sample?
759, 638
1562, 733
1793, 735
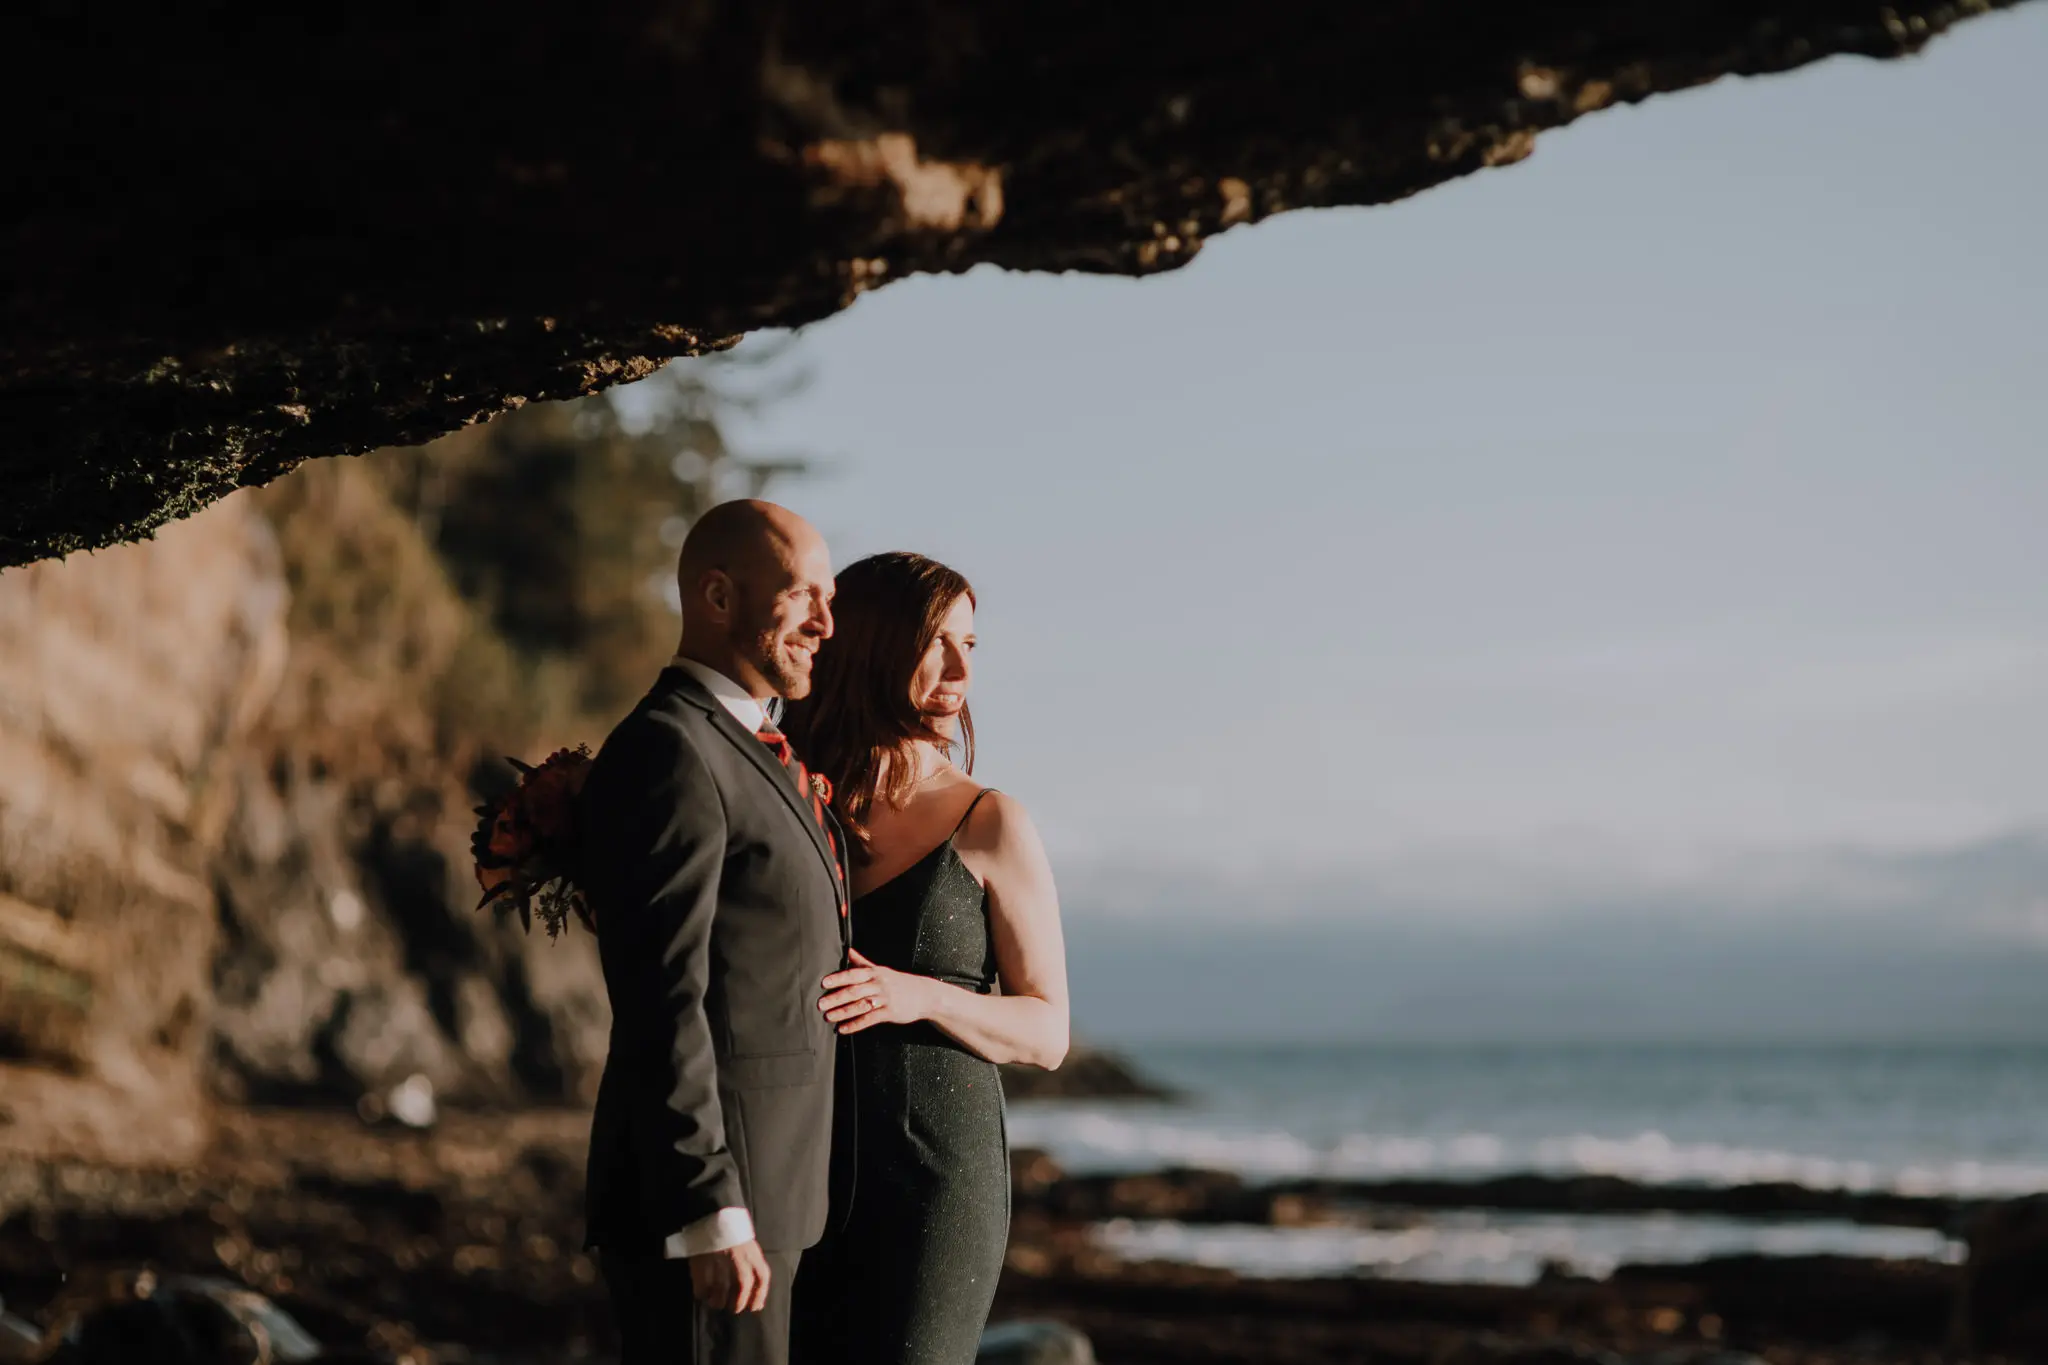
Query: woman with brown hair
957, 965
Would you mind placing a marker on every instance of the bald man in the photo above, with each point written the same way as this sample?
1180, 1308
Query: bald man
718, 886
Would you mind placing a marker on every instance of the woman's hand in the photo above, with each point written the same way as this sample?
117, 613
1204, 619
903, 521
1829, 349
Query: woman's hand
865, 995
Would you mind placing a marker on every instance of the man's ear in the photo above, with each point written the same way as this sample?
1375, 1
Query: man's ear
719, 592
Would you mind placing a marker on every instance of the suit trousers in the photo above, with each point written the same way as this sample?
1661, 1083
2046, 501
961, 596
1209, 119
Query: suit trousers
661, 1322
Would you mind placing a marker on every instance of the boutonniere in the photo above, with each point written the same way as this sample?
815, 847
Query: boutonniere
821, 787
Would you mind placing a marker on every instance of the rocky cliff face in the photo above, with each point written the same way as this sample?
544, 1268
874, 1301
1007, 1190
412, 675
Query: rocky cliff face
234, 840
129, 685
347, 230
351, 955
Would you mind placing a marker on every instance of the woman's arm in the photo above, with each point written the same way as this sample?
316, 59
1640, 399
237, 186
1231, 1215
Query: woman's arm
1028, 1022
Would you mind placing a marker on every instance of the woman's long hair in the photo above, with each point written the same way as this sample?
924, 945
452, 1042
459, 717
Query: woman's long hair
859, 723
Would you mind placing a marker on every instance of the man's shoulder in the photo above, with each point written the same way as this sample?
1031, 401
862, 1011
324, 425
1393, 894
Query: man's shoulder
663, 728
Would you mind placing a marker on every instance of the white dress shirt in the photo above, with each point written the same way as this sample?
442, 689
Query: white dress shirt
735, 1226
747, 709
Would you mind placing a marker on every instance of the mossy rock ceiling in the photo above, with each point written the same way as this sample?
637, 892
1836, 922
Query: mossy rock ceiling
245, 236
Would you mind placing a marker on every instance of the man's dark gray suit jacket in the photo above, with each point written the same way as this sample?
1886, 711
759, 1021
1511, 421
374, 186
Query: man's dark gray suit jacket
718, 914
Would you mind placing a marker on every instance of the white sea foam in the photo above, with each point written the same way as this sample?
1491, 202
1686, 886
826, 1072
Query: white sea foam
1505, 1248
1096, 1138
1083, 1139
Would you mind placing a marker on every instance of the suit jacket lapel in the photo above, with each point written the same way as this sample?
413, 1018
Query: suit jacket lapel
771, 768
845, 861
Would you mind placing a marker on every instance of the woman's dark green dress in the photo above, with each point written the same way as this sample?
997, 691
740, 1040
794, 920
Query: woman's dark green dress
909, 1279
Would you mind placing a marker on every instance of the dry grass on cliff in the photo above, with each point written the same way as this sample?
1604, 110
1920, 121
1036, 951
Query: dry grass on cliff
393, 669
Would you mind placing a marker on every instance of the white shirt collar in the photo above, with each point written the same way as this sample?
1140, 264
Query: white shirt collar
744, 708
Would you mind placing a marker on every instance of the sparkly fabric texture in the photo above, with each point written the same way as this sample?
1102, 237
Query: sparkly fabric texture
910, 1278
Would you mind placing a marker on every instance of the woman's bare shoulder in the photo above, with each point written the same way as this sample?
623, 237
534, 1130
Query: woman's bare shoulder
999, 827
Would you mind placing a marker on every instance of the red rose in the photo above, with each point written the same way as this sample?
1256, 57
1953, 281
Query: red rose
511, 836
523, 848
547, 798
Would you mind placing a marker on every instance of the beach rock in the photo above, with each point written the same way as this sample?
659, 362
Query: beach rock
1193, 1196
1034, 1343
1087, 1074
1553, 1353
411, 1102
1529, 1192
1494, 1348
19, 1340
1208, 1196
2003, 1304
133, 1317
1297, 1211
1032, 1174
1823, 1298
1189, 1196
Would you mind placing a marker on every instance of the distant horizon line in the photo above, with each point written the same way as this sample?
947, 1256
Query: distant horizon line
1090, 1043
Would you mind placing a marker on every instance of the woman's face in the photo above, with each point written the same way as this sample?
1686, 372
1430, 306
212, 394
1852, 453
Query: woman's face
939, 687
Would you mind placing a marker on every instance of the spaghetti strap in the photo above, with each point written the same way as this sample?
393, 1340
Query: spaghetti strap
969, 812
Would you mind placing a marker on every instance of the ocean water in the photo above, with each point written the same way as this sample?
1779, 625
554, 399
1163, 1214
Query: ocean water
1916, 1119
1934, 1119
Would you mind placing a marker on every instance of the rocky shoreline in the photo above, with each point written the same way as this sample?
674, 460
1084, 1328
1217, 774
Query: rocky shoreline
1087, 1074
460, 1244
1199, 1196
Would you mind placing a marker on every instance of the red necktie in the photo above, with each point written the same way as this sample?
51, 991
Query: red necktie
778, 744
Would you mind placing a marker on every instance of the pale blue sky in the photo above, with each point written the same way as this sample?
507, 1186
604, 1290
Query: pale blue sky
1674, 498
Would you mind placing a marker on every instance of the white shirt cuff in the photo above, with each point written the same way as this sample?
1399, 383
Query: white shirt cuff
722, 1231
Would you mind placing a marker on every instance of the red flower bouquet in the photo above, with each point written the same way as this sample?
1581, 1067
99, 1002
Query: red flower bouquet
525, 843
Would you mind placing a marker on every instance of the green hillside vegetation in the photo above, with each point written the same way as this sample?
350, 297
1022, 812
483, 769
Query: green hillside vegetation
510, 583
